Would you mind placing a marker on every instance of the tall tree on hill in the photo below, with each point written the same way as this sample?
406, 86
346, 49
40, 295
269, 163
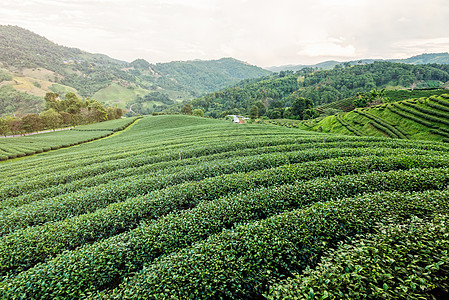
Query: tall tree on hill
51, 118
97, 112
72, 103
187, 109
32, 123
198, 112
4, 128
52, 102
301, 107
14, 124
253, 112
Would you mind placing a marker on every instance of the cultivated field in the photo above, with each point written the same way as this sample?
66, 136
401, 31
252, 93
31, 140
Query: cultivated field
185, 207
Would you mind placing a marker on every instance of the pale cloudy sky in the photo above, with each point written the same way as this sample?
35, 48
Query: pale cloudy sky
261, 32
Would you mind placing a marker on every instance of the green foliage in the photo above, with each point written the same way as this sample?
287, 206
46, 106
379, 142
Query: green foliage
198, 112
401, 261
254, 112
187, 109
411, 119
15, 102
240, 263
404, 94
322, 87
187, 207
208, 76
5, 75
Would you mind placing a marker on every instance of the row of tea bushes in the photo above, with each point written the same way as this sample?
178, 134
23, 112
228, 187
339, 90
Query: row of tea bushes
24, 248
406, 261
241, 263
106, 263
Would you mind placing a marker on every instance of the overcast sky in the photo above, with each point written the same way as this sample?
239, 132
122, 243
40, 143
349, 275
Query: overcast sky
261, 32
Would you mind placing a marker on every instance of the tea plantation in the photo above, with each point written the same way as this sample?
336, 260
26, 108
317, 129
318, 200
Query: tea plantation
179, 207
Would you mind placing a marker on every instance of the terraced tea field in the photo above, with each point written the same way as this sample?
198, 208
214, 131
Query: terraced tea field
416, 119
183, 207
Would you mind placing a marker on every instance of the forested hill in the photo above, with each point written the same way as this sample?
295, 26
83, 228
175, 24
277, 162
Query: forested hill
426, 58
34, 65
209, 76
322, 87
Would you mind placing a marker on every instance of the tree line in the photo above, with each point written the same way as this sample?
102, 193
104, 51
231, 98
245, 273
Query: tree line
70, 111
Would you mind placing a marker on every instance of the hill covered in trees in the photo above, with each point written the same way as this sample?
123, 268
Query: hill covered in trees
426, 58
33, 65
274, 92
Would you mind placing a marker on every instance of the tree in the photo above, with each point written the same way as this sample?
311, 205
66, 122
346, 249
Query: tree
118, 113
32, 123
51, 118
14, 124
261, 107
66, 118
275, 113
72, 104
4, 128
299, 105
187, 109
253, 112
97, 112
198, 112
52, 102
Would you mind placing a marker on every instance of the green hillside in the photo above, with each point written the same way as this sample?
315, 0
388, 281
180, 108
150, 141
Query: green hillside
326, 86
417, 119
425, 58
187, 207
51, 67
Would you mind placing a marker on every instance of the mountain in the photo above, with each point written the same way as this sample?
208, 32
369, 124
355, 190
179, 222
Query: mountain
31, 65
426, 58
321, 66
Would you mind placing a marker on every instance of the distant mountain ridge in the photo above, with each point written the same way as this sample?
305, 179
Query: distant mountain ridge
33, 65
425, 58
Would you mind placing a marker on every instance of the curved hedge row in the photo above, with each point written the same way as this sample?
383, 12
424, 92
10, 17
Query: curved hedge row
429, 114
86, 201
108, 262
383, 125
241, 263
347, 126
24, 248
441, 101
403, 112
162, 167
132, 160
401, 262
439, 132
384, 129
438, 107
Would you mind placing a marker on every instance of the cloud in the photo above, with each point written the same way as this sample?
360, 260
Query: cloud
262, 32
329, 48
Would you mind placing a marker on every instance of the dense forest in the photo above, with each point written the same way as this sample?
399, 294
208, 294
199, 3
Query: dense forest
321, 86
